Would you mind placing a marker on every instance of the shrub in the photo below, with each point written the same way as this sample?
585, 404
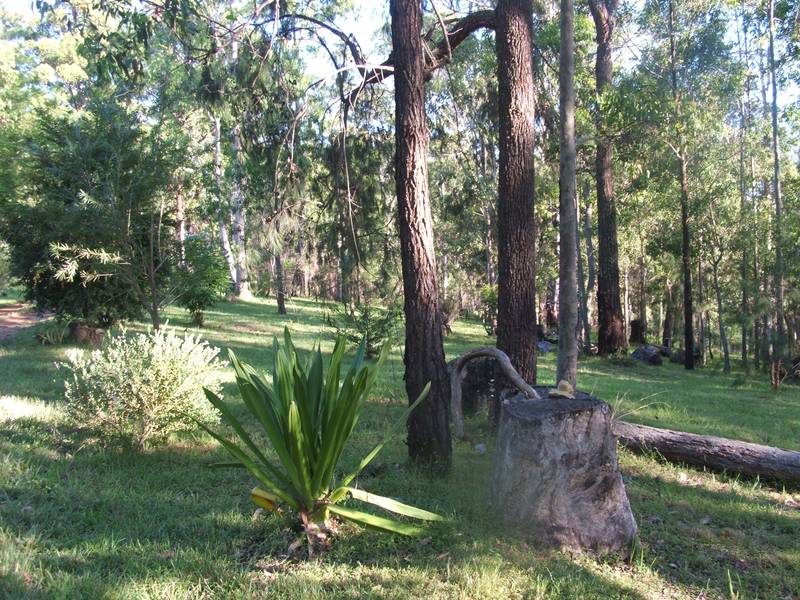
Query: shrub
203, 278
489, 308
374, 325
137, 390
308, 418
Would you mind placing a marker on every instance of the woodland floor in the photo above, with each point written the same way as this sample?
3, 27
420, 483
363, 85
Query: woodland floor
80, 522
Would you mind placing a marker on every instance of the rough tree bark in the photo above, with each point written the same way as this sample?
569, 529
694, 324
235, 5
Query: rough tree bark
555, 475
712, 452
611, 329
428, 426
516, 314
567, 363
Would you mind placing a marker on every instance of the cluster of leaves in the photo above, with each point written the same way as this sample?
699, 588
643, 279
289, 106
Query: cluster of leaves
139, 389
308, 413
375, 325
489, 308
202, 277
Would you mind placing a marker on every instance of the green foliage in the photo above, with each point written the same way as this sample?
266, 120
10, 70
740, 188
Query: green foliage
90, 237
53, 334
5, 267
137, 390
203, 278
375, 325
308, 415
489, 308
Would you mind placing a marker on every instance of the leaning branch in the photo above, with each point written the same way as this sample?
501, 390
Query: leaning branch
455, 381
437, 57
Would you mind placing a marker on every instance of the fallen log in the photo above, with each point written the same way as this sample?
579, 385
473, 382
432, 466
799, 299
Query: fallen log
715, 453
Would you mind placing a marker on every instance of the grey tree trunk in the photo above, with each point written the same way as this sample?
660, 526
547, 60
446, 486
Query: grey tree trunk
567, 363
238, 210
723, 337
223, 215
777, 222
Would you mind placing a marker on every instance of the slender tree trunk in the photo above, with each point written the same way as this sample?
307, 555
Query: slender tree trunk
222, 215
723, 338
643, 294
777, 223
516, 320
567, 363
280, 283
429, 425
611, 331
683, 178
180, 223
666, 336
583, 294
238, 229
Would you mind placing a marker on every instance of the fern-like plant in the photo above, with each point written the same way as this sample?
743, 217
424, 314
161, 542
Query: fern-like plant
308, 413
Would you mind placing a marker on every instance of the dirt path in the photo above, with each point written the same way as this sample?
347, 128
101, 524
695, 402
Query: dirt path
17, 316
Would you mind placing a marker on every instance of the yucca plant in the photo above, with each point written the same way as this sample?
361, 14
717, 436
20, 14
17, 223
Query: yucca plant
308, 413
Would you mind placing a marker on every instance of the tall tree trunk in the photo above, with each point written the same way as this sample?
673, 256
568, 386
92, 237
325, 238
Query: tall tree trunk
583, 294
611, 330
643, 293
683, 178
516, 315
723, 337
777, 223
280, 283
666, 336
238, 210
222, 214
429, 425
567, 363
180, 223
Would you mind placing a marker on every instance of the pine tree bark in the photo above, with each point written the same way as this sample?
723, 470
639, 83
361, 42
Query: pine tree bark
516, 315
428, 426
611, 329
567, 362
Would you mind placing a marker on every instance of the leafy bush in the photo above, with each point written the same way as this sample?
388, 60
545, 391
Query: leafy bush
374, 325
203, 278
308, 417
137, 390
489, 308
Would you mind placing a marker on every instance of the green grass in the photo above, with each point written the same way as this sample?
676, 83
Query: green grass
80, 522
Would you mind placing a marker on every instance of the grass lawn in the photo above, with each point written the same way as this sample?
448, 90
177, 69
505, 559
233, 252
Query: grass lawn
81, 522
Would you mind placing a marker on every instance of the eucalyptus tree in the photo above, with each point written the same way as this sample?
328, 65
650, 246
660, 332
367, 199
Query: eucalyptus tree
567, 365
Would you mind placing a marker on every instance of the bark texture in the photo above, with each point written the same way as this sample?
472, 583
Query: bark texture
712, 452
428, 426
555, 475
611, 328
516, 253
222, 215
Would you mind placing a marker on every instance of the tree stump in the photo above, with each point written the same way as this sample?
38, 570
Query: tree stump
555, 476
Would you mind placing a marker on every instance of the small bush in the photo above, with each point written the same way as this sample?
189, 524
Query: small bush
375, 325
489, 308
203, 279
137, 390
